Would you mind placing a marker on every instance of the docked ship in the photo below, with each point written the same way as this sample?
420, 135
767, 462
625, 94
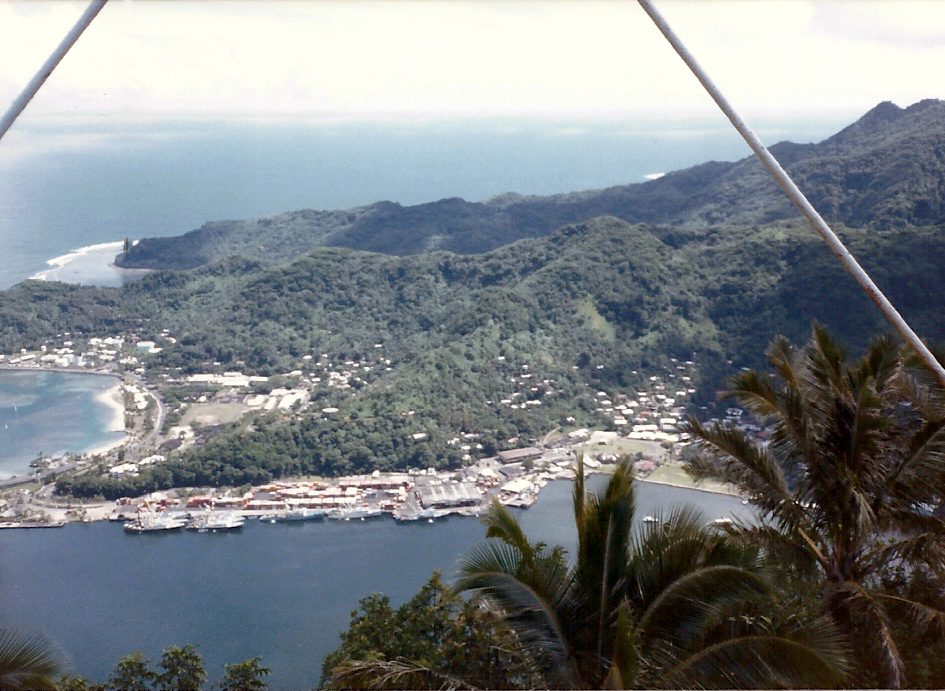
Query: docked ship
355, 513
151, 522
216, 521
293, 516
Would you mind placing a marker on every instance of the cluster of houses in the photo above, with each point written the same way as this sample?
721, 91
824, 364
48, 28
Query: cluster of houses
319, 375
527, 388
654, 412
134, 468
96, 353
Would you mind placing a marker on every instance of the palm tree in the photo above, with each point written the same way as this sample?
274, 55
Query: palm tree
28, 661
672, 605
855, 462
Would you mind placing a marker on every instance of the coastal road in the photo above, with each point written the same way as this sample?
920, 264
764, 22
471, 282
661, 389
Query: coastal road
151, 439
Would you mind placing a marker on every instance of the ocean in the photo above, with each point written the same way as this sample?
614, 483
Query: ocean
281, 591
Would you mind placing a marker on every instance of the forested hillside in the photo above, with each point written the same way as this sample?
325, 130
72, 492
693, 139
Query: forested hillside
595, 305
885, 171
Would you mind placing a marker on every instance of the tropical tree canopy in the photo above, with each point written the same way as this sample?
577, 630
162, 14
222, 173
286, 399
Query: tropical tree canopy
846, 487
435, 640
671, 604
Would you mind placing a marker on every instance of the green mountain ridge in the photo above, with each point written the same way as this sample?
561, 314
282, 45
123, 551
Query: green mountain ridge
883, 171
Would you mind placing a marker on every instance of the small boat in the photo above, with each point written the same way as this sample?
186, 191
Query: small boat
650, 519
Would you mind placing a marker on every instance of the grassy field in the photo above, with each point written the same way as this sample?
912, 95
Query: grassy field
207, 414
674, 474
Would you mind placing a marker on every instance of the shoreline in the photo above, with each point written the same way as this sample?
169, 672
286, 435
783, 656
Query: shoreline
108, 252
63, 370
64, 259
114, 400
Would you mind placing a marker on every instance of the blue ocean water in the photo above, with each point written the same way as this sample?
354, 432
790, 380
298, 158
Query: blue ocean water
67, 187
282, 592
50, 413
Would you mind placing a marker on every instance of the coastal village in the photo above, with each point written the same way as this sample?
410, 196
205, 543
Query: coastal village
643, 424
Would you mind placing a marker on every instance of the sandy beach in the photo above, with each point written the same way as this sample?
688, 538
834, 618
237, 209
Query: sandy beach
114, 398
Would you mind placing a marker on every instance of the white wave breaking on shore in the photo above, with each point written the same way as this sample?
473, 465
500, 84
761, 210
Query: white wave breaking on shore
62, 261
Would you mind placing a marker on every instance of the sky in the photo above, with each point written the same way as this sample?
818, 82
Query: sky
402, 60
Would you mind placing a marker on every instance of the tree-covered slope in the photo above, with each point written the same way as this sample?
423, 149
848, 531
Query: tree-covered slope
595, 305
623, 291
886, 170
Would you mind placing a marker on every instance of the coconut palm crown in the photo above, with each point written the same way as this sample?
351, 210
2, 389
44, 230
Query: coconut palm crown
847, 483
671, 604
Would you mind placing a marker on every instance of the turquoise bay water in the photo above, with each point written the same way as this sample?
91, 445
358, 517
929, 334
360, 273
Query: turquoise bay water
51, 412
283, 592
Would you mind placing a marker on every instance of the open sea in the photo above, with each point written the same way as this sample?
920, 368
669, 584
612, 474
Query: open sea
70, 193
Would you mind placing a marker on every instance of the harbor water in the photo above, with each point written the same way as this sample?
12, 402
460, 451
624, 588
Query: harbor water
281, 591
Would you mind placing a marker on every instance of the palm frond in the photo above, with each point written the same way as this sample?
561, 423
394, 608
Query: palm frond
501, 524
28, 661
392, 674
780, 548
921, 616
881, 637
534, 596
680, 612
922, 548
918, 474
726, 454
756, 392
603, 544
757, 661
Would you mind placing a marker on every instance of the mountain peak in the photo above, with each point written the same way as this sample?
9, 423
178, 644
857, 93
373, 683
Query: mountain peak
883, 117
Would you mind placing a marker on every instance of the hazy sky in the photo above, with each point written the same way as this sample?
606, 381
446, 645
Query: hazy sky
437, 59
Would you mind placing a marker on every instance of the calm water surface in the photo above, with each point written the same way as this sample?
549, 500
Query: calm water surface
279, 591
